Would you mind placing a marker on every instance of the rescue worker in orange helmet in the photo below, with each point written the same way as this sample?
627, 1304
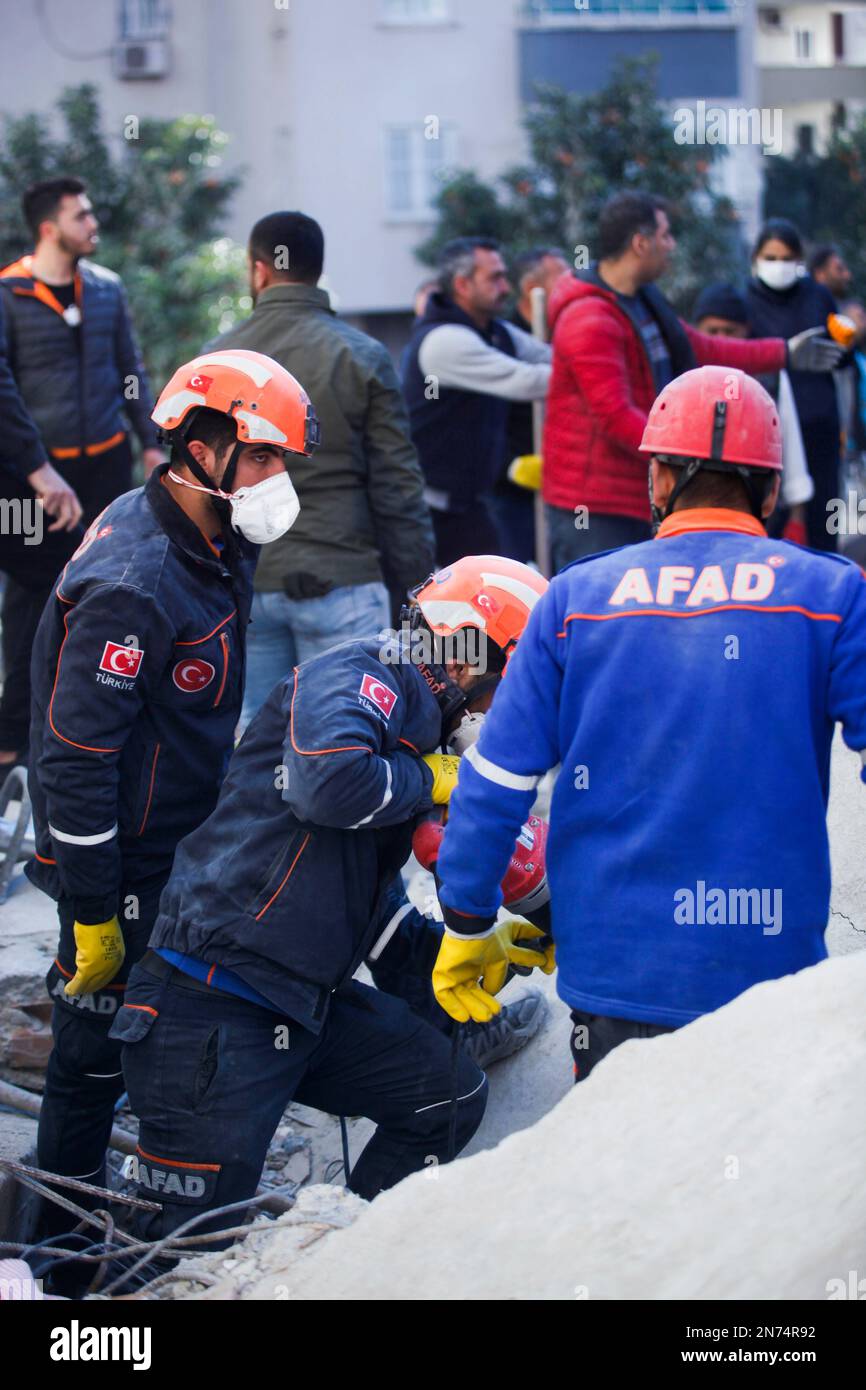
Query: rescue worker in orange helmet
293, 882
138, 678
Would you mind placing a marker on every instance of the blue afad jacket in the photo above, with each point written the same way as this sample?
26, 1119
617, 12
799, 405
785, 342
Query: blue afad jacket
137, 676
689, 687
295, 878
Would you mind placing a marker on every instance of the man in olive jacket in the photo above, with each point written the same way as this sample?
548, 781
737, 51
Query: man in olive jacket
363, 517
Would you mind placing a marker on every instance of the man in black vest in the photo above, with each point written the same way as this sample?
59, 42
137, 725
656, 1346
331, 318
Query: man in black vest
70, 368
513, 502
462, 368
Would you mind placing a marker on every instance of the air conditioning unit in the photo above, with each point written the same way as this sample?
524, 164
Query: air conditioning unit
770, 19
140, 58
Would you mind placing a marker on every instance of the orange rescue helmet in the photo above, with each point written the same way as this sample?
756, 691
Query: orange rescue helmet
489, 592
267, 404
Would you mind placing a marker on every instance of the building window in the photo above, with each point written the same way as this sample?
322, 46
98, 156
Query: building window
414, 11
416, 167
143, 19
804, 45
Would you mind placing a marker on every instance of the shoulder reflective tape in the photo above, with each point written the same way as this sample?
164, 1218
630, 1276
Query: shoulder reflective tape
383, 803
863, 756
99, 839
500, 775
389, 931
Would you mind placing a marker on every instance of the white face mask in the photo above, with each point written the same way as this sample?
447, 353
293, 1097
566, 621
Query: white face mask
261, 513
265, 511
777, 275
466, 733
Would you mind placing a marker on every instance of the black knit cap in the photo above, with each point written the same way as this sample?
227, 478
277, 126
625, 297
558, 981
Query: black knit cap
721, 302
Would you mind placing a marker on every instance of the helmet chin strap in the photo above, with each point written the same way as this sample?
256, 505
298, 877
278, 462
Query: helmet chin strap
752, 483
686, 475
220, 493
451, 697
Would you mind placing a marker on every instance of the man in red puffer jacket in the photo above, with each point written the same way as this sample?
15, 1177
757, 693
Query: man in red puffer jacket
617, 342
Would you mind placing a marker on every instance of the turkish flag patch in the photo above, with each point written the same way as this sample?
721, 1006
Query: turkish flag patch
118, 660
199, 382
193, 674
382, 696
485, 602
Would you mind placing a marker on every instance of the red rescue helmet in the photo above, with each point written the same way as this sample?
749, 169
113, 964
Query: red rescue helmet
720, 415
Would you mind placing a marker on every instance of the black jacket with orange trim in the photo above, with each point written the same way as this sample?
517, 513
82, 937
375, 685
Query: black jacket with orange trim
294, 879
76, 383
137, 677
21, 448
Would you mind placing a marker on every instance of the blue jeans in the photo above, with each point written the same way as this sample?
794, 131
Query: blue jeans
286, 631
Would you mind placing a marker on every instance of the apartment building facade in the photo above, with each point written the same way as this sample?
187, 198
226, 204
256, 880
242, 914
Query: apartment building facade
355, 110
811, 60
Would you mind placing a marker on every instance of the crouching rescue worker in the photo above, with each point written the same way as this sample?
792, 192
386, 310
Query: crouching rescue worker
137, 682
689, 687
246, 1000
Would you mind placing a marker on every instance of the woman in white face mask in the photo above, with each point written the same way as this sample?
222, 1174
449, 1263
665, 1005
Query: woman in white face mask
784, 301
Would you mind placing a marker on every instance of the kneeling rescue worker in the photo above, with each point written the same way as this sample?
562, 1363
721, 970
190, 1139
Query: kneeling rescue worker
138, 670
689, 687
246, 999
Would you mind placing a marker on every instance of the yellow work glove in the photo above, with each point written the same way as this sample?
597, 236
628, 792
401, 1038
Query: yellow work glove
516, 929
464, 960
444, 767
525, 471
98, 956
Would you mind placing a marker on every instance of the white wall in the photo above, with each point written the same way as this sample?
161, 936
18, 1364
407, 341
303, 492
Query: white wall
351, 76
855, 35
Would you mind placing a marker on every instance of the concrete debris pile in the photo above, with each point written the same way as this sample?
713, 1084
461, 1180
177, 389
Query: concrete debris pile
721, 1161
256, 1267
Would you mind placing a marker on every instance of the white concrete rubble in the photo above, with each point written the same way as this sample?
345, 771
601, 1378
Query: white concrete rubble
721, 1161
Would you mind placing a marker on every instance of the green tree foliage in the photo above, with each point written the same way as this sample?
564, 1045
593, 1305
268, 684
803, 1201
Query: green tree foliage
826, 195
582, 149
161, 194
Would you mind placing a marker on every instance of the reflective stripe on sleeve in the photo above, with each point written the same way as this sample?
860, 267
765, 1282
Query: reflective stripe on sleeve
500, 775
99, 839
382, 941
383, 803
